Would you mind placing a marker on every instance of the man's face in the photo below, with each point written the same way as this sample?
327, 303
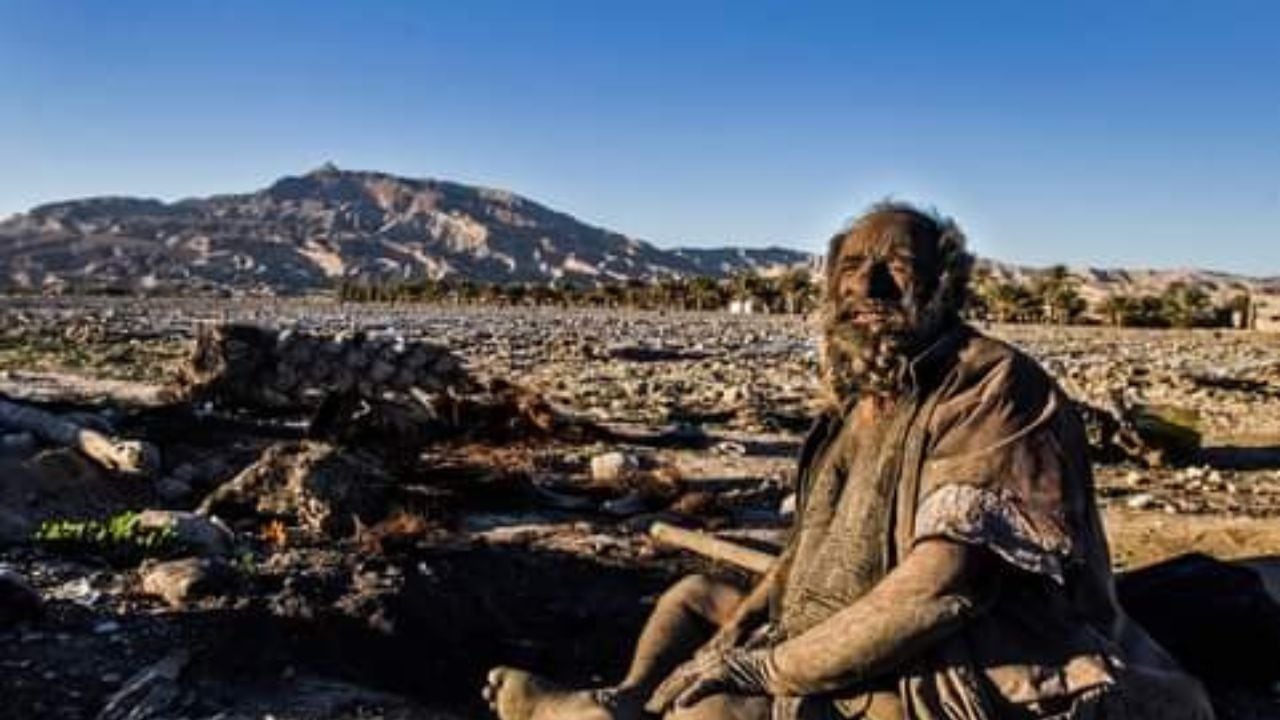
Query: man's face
881, 281
882, 275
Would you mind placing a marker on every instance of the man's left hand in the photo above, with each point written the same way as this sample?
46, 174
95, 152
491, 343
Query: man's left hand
737, 671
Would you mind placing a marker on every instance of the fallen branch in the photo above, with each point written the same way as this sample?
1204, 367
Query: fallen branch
127, 457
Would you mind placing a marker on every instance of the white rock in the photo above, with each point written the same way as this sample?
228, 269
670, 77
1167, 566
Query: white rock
1141, 501
613, 466
787, 508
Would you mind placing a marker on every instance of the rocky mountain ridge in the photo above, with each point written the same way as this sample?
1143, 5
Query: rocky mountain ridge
307, 233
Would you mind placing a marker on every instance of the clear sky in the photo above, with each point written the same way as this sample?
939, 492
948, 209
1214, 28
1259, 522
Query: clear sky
1102, 133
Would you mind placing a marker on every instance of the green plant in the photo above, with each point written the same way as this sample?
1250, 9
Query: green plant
118, 539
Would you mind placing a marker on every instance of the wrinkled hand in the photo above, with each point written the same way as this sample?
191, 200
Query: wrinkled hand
742, 672
723, 641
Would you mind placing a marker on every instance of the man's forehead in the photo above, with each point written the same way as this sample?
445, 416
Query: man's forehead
898, 233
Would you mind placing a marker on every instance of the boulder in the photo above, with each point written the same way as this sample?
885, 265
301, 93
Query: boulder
192, 532
314, 485
181, 581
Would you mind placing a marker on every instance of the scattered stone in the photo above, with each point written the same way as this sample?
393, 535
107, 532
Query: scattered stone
181, 581
315, 485
197, 533
152, 694
787, 508
79, 591
730, 447
1141, 501
630, 504
124, 456
613, 467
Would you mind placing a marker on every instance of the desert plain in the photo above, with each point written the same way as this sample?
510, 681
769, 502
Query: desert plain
382, 580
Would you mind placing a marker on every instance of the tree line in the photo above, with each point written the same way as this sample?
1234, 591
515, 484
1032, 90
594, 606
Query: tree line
793, 291
1052, 296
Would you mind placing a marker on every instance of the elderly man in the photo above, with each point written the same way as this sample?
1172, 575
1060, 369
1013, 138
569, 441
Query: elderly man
948, 560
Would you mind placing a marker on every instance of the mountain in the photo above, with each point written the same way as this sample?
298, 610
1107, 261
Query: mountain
305, 233
726, 261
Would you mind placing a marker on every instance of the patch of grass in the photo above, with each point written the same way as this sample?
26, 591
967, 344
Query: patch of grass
118, 539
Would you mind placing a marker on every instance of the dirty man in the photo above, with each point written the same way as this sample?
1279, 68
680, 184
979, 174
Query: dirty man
948, 559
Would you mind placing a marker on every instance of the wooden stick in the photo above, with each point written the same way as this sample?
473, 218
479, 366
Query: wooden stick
712, 547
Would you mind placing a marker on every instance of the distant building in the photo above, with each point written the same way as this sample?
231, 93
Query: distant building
748, 306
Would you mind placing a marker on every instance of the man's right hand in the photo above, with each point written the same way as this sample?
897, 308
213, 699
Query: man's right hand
726, 638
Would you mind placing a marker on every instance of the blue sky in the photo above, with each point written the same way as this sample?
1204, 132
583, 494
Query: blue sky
1108, 133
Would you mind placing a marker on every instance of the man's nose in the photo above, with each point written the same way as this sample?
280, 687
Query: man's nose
875, 282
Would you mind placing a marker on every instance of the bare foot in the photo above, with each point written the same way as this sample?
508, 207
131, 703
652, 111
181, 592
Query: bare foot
517, 695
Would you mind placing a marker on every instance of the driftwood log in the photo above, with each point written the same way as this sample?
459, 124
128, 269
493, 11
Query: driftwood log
712, 547
127, 457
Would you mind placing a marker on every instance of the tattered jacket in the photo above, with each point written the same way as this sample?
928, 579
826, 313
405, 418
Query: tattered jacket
985, 450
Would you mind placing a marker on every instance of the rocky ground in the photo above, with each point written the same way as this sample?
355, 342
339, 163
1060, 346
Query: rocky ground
326, 579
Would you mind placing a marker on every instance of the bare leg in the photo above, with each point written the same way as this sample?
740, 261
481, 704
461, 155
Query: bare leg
726, 707
685, 617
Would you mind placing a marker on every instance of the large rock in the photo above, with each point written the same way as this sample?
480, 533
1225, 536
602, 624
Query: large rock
181, 581
192, 532
314, 485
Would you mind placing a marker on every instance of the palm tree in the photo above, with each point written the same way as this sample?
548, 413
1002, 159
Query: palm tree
1117, 309
1186, 305
706, 293
1057, 293
1008, 301
798, 290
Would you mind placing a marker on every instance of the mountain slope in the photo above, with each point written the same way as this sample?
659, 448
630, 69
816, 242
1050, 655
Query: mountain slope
304, 233
308, 232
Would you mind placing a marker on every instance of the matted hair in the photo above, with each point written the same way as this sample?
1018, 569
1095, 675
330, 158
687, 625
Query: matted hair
944, 296
955, 262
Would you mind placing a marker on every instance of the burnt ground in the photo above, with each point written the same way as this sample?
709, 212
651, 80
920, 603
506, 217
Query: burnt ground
481, 553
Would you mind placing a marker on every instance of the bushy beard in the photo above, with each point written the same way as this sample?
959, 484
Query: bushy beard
873, 359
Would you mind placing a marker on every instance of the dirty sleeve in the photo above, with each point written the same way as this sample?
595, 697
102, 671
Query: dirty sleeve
1003, 454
